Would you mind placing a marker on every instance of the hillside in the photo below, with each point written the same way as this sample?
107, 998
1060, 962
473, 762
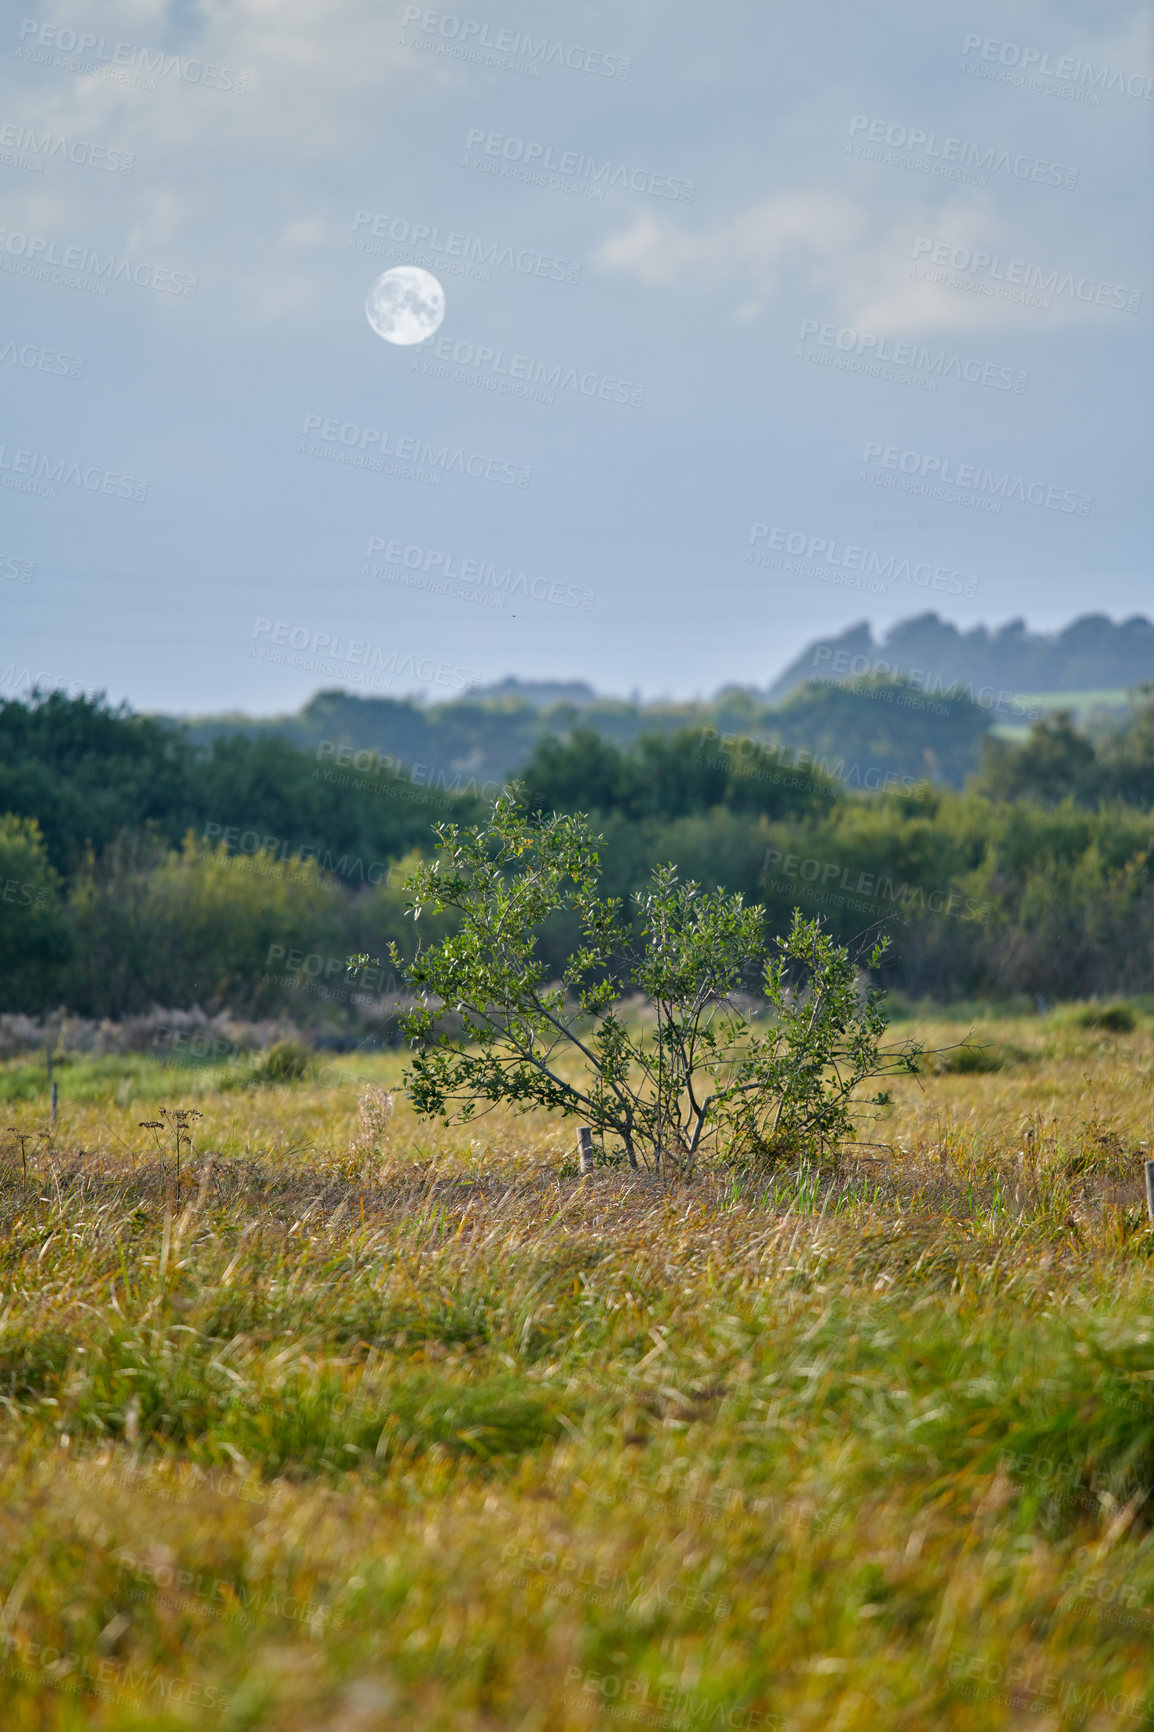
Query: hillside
959, 685
1091, 653
874, 725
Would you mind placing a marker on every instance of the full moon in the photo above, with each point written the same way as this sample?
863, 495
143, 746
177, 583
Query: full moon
405, 305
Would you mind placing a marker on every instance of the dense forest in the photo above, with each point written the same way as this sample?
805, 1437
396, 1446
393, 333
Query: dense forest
141, 868
918, 702
474, 742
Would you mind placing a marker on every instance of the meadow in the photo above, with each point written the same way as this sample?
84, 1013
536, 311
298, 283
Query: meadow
363, 1422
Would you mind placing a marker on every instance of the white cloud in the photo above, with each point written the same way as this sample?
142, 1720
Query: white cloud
857, 263
214, 168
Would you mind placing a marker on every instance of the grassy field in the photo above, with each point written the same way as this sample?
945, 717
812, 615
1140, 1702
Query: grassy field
370, 1424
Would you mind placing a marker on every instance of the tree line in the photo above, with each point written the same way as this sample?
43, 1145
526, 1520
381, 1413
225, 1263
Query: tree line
139, 867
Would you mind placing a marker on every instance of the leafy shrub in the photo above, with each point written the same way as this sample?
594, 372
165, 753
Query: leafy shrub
700, 1074
286, 1061
1119, 1018
199, 927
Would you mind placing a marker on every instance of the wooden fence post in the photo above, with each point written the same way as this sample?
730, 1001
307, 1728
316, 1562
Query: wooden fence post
585, 1150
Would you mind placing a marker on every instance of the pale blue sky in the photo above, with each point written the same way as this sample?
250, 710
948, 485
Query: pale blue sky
781, 320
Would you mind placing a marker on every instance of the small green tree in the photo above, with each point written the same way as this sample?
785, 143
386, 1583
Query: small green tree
700, 1074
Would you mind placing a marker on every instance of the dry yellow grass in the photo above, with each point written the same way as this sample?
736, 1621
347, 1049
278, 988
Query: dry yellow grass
376, 1424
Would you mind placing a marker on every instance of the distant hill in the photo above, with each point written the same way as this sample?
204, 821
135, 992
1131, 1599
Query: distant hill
1092, 653
538, 694
833, 701
485, 735
860, 733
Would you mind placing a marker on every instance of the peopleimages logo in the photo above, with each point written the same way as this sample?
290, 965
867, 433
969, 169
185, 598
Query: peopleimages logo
572, 166
972, 478
30, 255
22, 679
41, 360
792, 767
822, 552
1069, 68
1008, 278
925, 681
32, 472
959, 153
381, 774
832, 881
470, 38
900, 352
368, 447
359, 653
33, 149
456, 251
103, 52
522, 375
16, 570
269, 853
305, 971
442, 567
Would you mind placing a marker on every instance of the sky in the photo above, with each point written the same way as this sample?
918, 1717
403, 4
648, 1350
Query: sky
757, 322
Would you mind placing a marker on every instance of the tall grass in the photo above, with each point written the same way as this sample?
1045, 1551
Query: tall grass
358, 1428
